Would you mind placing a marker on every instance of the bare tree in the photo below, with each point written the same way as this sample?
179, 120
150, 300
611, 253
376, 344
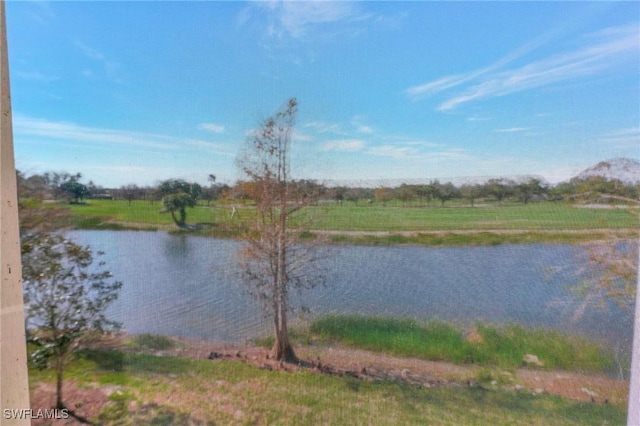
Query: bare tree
272, 261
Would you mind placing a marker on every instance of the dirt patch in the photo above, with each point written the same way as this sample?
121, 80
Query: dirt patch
90, 399
366, 365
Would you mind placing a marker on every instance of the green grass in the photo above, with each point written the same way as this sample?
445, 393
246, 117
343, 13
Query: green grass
533, 216
140, 212
543, 222
167, 390
155, 342
478, 238
504, 347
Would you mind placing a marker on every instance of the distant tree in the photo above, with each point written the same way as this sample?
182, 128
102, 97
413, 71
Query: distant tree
73, 189
65, 296
306, 189
471, 192
530, 189
34, 186
339, 193
357, 194
130, 192
177, 196
445, 192
210, 193
406, 193
383, 195
36, 217
499, 188
272, 262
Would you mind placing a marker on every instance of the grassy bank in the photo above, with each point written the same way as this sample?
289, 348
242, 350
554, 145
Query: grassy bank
147, 389
482, 238
485, 345
432, 226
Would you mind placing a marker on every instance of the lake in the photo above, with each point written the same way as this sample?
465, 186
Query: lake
189, 286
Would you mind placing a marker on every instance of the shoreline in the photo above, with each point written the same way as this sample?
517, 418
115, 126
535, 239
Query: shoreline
360, 364
428, 238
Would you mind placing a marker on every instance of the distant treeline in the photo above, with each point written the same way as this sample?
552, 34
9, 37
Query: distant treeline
63, 186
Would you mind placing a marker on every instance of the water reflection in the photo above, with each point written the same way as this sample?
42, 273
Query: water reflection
189, 286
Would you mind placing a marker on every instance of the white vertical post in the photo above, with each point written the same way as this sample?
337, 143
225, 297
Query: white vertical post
14, 381
633, 415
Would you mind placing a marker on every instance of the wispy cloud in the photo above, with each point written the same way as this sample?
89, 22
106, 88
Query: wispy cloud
211, 127
35, 76
41, 11
512, 130
623, 138
70, 133
478, 118
601, 52
108, 68
323, 127
298, 20
344, 145
393, 151
358, 123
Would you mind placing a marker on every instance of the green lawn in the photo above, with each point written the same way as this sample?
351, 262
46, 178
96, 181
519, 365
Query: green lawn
534, 216
543, 222
94, 212
165, 390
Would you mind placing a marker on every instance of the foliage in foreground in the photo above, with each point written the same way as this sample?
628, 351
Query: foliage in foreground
167, 390
492, 346
65, 297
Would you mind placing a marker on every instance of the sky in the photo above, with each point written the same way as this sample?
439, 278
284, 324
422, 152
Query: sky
139, 92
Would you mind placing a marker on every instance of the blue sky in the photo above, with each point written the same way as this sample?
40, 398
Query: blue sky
137, 92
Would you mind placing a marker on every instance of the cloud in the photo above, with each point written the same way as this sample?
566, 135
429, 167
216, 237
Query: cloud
622, 138
602, 51
393, 151
512, 129
70, 133
323, 127
300, 137
211, 127
478, 118
298, 19
359, 126
35, 76
41, 12
344, 145
108, 67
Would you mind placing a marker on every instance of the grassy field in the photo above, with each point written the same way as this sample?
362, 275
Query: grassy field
492, 224
503, 347
147, 389
534, 216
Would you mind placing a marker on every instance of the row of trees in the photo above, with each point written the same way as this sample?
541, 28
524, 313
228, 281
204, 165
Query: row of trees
500, 190
176, 194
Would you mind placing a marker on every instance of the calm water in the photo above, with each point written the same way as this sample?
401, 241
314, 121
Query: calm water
189, 286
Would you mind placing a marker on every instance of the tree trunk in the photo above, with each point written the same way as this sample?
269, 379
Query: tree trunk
183, 217
59, 379
282, 349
